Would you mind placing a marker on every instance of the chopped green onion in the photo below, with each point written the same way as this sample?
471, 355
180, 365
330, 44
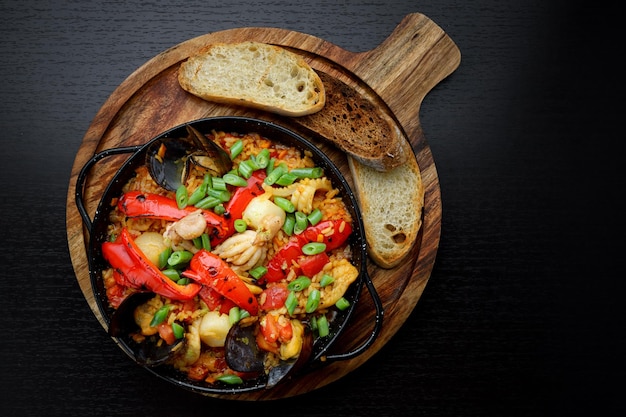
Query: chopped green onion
235, 180
258, 272
197, 195
313, 248
273, 176
322, 326
263, 158
233, 315
219, 209
163, 257
206, 242
284, 204
290, 222
183, 281
270, 166
314, 172
197, 242
208, 202
301, 223
312, 301
243, 314
315, 217
313, 323
230, 379
326, 280
179, 257
342, 303
246, 168
240, 225
172, 274
181, 196
219, 184
286, 179
299, 284
222, 195
291, 302
236, 149
179, 331
160, 316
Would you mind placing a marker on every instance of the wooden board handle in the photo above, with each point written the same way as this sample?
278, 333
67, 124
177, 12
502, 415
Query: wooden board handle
419, 54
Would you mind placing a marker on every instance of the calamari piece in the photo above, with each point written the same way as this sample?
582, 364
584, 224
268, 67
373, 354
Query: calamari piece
301, 193
345, 274
242, 250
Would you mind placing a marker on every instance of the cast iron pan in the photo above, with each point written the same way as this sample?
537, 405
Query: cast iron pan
97, 232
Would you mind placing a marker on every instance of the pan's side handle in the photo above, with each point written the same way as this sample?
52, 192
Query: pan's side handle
378, 324
82, 176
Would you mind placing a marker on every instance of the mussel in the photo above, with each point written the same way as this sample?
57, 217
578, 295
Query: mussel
169, 158
151, 351
244, 355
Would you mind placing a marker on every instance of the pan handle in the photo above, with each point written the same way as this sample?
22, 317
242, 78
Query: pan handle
378, 323
82, 176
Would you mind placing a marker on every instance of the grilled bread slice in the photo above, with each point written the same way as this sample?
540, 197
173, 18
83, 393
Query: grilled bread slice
253, 74
391, 204
356, 123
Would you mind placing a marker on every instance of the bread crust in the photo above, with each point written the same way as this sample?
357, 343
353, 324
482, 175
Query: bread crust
253, 74
391, 206
357, 125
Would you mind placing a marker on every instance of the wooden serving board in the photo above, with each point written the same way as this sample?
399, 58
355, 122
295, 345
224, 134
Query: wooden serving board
400, 71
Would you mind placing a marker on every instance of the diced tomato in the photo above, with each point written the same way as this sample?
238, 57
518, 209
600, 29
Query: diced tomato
167, 333
312, 264
265, 345
275, 328
274, 297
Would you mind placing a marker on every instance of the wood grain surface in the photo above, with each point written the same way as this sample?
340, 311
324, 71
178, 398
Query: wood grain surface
400, 71
523, 314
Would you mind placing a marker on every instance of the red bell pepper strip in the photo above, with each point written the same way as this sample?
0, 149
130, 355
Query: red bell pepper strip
278, 267
210, 270
155, 206
140, 273
242, 197
215, 300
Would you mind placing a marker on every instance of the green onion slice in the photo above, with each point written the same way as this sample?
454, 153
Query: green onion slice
160, 316
181, 197
299, 284
291, 302
312, 301
179, 331
313, 248
240, 225
230, 379
342, 304
236, 149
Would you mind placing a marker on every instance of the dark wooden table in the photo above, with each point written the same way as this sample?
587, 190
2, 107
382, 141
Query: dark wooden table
523, 313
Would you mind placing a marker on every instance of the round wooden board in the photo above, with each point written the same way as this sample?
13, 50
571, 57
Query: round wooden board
401, 71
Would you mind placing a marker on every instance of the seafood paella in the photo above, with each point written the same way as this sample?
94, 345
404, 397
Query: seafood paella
228, 254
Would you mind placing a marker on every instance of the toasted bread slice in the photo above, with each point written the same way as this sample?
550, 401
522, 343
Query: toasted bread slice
391, 204
253, 74
357, 124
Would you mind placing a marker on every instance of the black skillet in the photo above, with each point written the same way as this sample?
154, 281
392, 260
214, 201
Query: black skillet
97, 231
